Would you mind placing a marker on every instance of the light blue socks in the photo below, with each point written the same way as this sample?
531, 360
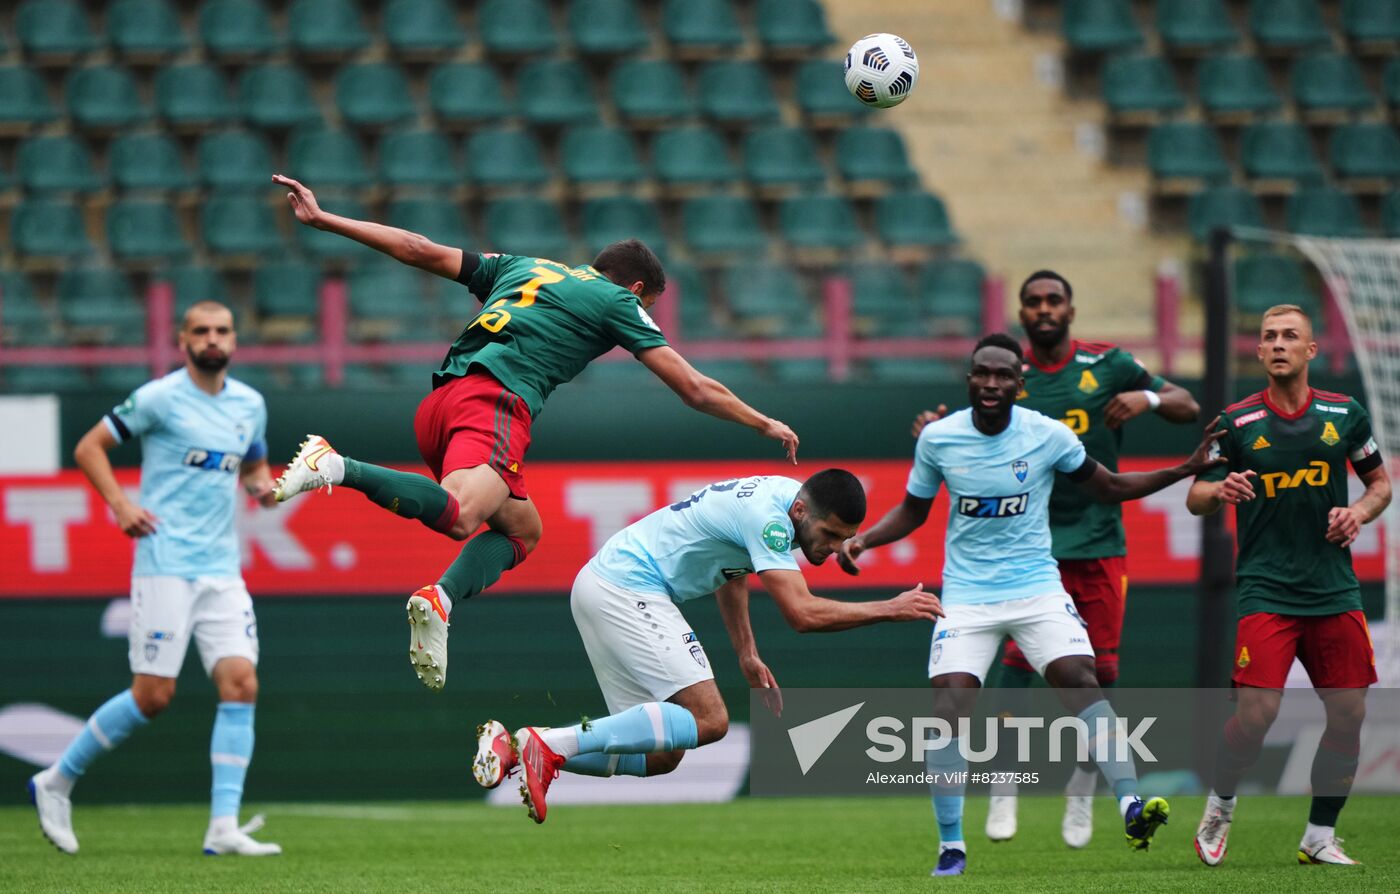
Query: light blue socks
654, 726
599, 764
230, 752
948, 771
107, 728
1118, 769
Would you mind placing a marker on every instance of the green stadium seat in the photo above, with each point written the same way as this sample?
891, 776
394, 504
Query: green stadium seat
1279, 150
914, 218
555, 92
373, 94
54, 29
24, 100
950, 291
440, 220
418, 158
1324, 211
1186, 149
237, 29
1136, 84
324, 157
193, 283
102, 301
1097, 26
701, 27
1287, 24
145, 28
696, 316
1235, 82
364, 377
822, 95
915, 370
823, 222
1371, 21
769, 299
715, 225
194, 96
391, 292
235, 159
1366, 150
326, 28
737, 93
1330, 82
1265, 279
1195, 24
517, 28
1223, 206
505, 158
882, 303
607, 27
873, 154
277, 96
467, 93
1390, 215
42, 228
328, 246
422, 29
651, 90
527, 226
144, 231
792, 26
239, 225
104, 96
1391, 80
125, 378
595, 153
287, 288
45, 379
24, 321
730, 372
800, 371
782, 157
56, 164
614, 218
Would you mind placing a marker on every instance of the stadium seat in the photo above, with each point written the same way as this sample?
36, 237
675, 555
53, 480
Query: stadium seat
440, 220
101, 302
1330, 82
822, 95
467, 93
1390, 215
1195, 24
873, 155
397, 297
1096, 26
24, 100
193, 283
1371, 21
104, 96
1324, 211
1366, 150
373, 94
916, 370
1136, 84
145, 29
42, 228
54, 30
701, 28
327, 246
45, 379
329, 29
24, 321
819, 222
1234, 83
1279, 150
1223, 206
145, 231
287, 288
235, 159
913, 218
737, 93
950, 292
595, 153
124, 377
555, 92
613, 218
323, 157
527, 226
882, 303
1185, 149
237, 29
239, 225
505, 158
715, 225
651, 90
56, 164
800, 371
194, 96
607, 27
277, 96
792, 27
769, 299
782, 157
517, 28
1391, 82
418, 158
422, 29
696, 316
1265, 279
730, 372
690, 156
1287, 24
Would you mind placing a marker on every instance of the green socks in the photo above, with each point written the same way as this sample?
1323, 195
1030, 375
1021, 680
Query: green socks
480, 564
404, 493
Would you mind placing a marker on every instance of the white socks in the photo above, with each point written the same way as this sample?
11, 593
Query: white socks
1124, 803
562, 740
1082, 782
1318, 834
54, 780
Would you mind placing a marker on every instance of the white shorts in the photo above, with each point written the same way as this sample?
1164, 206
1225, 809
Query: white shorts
166, 611
641, 648
1045, 627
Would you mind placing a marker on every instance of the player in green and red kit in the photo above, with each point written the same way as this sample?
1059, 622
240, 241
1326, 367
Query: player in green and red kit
1287, 449
540, 324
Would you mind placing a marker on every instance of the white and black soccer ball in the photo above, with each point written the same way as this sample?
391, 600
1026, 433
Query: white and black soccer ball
881, 70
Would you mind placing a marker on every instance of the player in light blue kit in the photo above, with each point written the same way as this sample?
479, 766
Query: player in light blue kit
998, 461
653, 671
202, 433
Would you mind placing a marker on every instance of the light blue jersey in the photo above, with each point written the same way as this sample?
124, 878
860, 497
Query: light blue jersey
192, 445
998, 545
689, 549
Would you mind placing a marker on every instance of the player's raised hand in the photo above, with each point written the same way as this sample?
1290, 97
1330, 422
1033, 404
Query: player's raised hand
134, 520
850, 551
926, 417
761, 678
302, 200
1237, 488
1207, 454
1123, 407
779, 431
915, 605
1343, 526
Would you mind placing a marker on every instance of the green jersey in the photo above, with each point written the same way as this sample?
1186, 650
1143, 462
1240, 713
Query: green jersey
541, 323
1076, 393
1285, 564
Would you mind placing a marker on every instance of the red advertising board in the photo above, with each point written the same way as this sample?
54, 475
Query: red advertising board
57, 538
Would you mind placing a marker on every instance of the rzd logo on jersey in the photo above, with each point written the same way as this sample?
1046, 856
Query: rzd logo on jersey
1315, 475
993, 507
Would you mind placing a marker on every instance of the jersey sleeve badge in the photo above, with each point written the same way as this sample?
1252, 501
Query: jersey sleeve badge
775, 537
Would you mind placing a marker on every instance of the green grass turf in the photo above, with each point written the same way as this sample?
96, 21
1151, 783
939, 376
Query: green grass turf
884, 845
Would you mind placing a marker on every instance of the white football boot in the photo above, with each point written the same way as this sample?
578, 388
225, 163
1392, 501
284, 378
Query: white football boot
427, 636
55, 812
1325, 851
1214, 831
1077, 827
1001, 817
229, 838
316, 465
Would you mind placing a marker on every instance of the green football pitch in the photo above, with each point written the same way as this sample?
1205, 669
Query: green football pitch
884, 845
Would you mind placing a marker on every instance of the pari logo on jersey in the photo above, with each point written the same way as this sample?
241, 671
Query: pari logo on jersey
212, 460
993, 507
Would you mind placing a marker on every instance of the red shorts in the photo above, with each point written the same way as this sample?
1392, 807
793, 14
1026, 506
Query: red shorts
474, 421
1099, 588
1334, 649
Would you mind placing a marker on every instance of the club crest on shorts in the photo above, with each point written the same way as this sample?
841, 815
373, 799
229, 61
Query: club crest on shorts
775, 537
699, 655
937, 653
152, 649
1020, 468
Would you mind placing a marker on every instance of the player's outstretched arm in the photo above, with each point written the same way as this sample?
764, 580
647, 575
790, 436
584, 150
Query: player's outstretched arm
403, 246
700, 392
733, 601
91, 457
1120, 487
807, 613
898, 523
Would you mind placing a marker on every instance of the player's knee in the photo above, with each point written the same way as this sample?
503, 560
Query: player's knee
1257, 715
1345, 714
153, 699
712, 725
243, 688
663, 762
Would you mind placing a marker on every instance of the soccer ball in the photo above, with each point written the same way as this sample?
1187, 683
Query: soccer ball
881, 70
